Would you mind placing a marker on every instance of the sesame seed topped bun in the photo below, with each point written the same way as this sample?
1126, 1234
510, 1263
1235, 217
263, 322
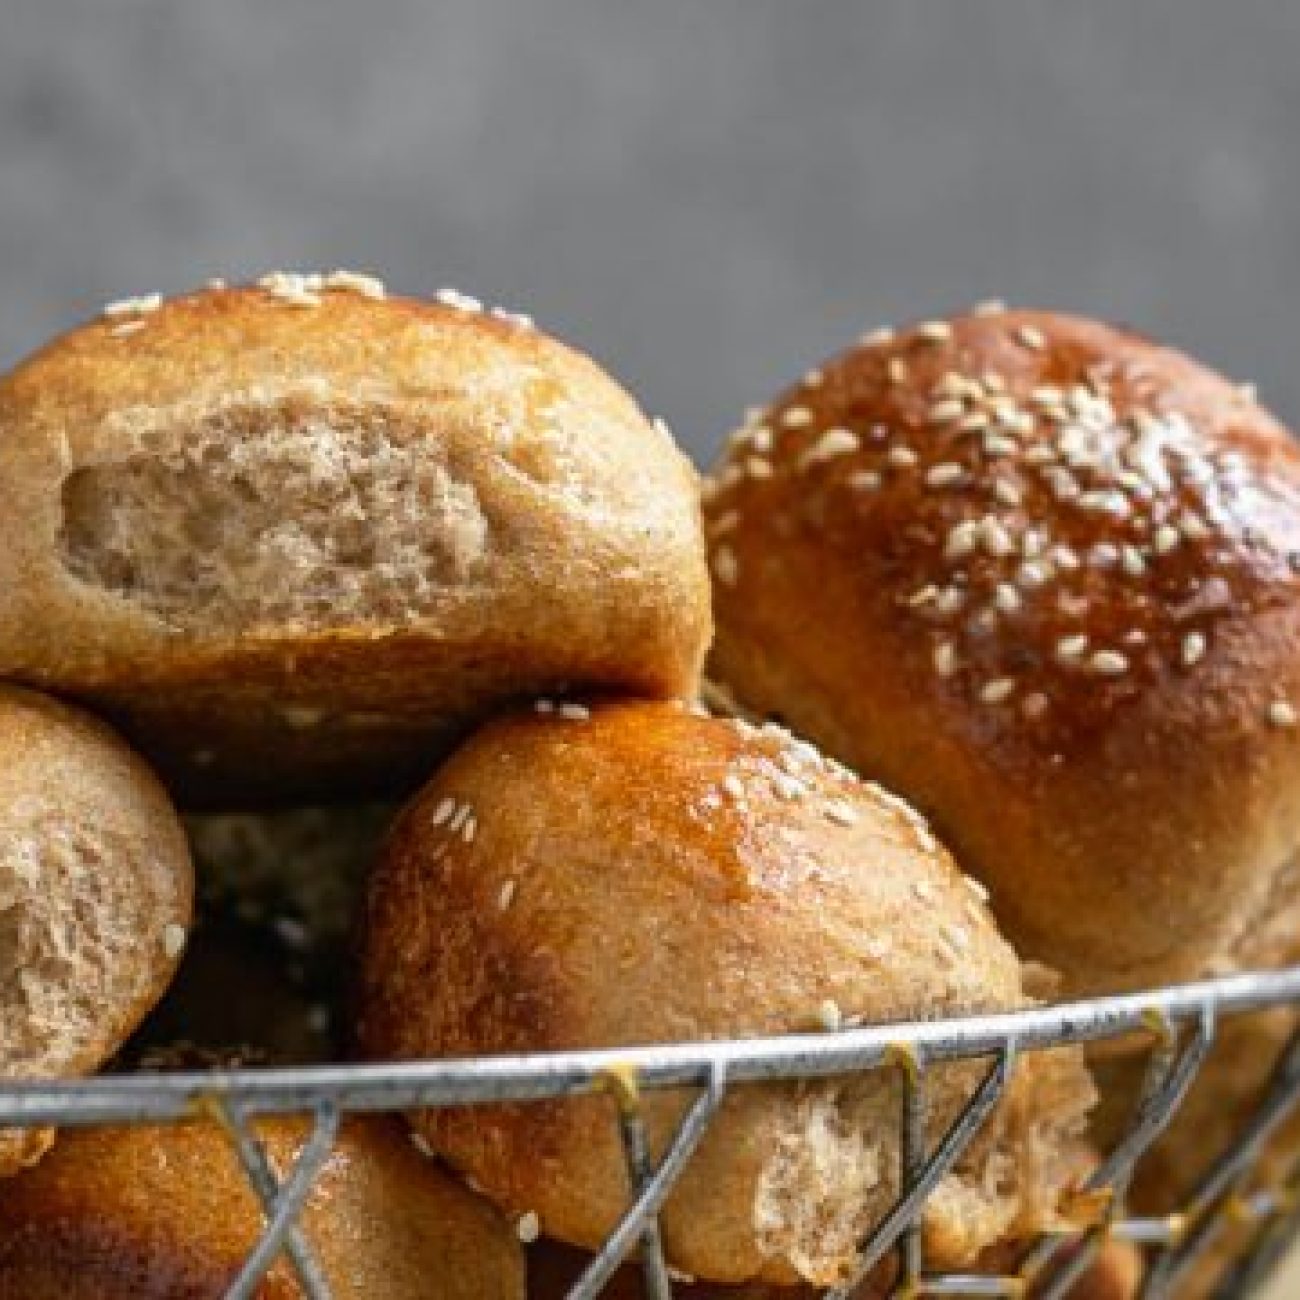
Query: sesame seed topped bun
296, 538
642, 874
1041, 576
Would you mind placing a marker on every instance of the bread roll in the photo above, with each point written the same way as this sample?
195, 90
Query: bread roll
641, 874
1040, 576
95, 896
295, 538
161, 1213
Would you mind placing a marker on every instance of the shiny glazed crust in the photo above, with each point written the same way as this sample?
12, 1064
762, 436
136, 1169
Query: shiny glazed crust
1040, 576
644, 874
165, 1214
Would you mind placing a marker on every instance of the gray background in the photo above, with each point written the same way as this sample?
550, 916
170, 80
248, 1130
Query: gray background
707, 195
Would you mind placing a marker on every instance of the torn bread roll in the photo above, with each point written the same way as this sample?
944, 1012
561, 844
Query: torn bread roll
637, 873
297, 538
120, 1214
1041, 576
96, 890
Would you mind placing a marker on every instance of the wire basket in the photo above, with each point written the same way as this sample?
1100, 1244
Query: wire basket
1179, 1024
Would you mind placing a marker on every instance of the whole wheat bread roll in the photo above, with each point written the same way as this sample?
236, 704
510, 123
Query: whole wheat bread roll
162, 1213
1041, 576
296, 538
95, 896
637, 873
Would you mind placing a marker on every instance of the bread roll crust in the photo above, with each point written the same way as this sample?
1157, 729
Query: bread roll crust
648, 875
297, 548
1040, 575
161, 1213
96, 891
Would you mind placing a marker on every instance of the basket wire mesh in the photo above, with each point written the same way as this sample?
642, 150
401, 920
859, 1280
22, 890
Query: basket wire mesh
1179, 1024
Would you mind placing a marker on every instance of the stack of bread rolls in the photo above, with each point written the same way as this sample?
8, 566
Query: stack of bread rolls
306, 546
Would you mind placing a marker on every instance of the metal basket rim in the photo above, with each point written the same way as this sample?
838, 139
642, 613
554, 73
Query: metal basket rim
400, 1085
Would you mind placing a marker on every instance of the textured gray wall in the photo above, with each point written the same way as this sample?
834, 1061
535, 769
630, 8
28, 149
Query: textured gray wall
707, 194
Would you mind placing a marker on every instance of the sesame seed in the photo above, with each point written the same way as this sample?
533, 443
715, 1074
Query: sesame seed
1071, 648
574, 712
796, 417
841, 813
901, 456
974, 422
507, 895
950, 600
1193, 648
733, 786
814, 378
995, 445
528, 1228
1006, 598
946, 412
725, 523
934, 331
962, 539
458, 301
989, 307
923, 595
1281, 714
896, 369
142, 306
1165, 539
829, 1016
540, 706
726, 568
126, 328
996, 691
1132, 561
173, 940
757, 467
874, 338
421, 1144
945, 659
997, 541
1108, 663
1031, 575
865, 481
368, 286
945, 474
463, 814
215, 283
1032, 338
832, 443
1007, 493
292, 287
446, 807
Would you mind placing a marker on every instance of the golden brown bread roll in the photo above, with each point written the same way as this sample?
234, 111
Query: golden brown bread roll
295, 538
643, 874
166, 1214
1040, 576
95, 895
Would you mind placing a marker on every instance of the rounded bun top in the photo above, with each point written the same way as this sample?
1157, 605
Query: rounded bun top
311, 520
737, 878
1018, 550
